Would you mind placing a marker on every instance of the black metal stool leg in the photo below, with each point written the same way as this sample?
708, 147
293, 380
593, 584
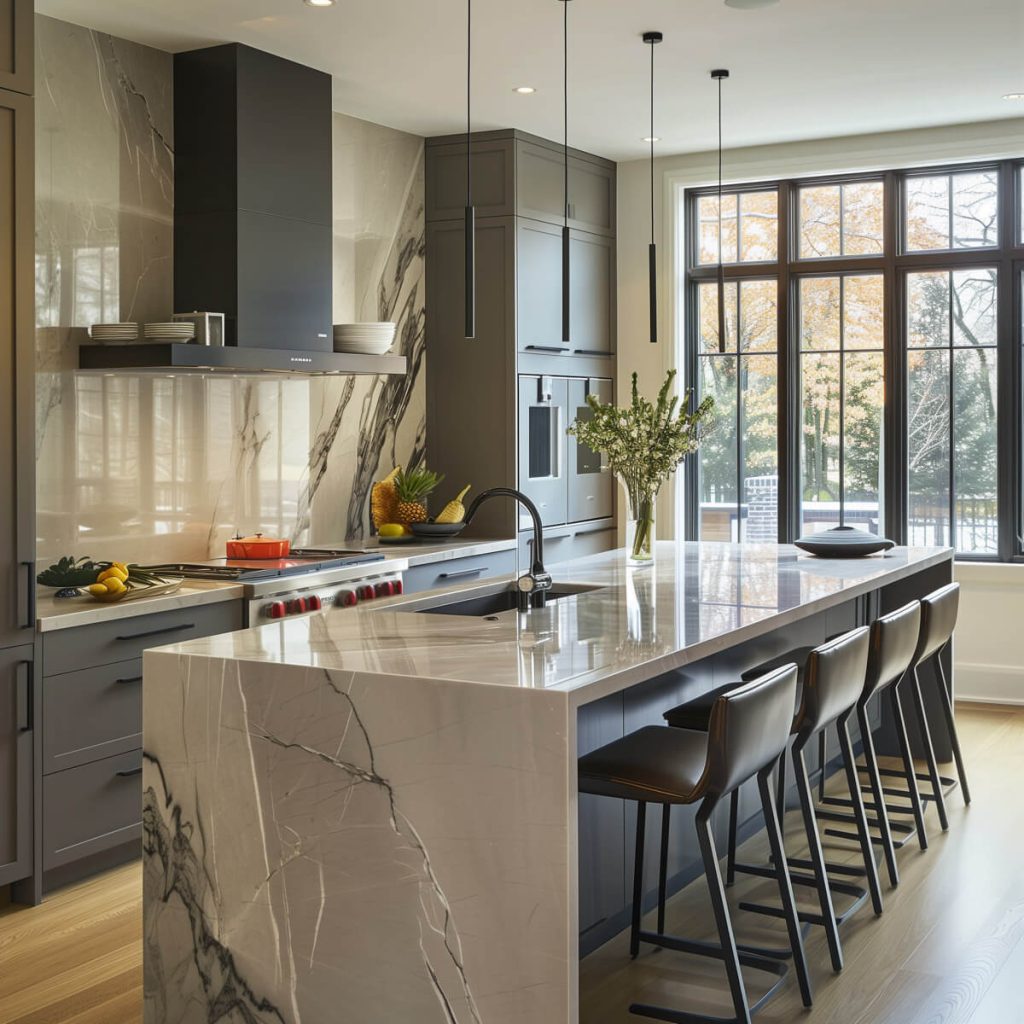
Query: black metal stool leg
929, 750
828, 914
909, 771
796, 941
722, 919
864, 832
954, 739
663, 866
875, 781
822, 761
638, 879
780, 793
734, 812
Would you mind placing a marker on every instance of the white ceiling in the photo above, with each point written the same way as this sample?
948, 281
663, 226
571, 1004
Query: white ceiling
801, 69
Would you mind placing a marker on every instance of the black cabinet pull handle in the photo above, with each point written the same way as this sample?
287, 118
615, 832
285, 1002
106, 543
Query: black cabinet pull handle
463, 572
546, 348
30, 595
591, 352
158, 632
126, 773
129, 679
26, 704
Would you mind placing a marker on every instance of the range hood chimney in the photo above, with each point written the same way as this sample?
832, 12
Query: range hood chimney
252, 218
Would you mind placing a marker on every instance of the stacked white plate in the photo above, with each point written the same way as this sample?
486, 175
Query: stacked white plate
175, 331
366, 339
114, 333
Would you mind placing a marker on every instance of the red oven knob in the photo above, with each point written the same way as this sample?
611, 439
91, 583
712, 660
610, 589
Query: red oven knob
347, 598
397, 585
296, 606
276, 610
366, 593
313, 603
384, 589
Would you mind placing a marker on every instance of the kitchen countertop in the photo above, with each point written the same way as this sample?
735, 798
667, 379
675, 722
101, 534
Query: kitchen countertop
63, 613
697, 599
419, 552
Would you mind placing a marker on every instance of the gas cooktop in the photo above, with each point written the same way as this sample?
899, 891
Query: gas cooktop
247, 570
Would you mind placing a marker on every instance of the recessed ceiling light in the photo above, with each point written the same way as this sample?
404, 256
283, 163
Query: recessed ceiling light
525, 90
750, 5
319, 3
652, 138
1014, 96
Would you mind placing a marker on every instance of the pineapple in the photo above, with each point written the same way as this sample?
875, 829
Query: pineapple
454, 511
383, 502
411, 488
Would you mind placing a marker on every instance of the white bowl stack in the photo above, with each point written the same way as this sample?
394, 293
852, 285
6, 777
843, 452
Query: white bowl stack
175, 331
372, 339
114, 334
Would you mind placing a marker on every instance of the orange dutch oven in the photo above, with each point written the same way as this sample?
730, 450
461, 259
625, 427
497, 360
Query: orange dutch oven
258, 546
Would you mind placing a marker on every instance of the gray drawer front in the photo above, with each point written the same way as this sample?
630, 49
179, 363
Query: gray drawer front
65, 650
468, 570
568, 545
91, 808
91, 714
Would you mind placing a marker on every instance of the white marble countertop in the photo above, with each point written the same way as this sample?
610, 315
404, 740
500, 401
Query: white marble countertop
419, 552
697, 599
63, 613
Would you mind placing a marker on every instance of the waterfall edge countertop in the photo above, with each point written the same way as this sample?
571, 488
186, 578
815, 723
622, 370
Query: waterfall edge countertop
320, 790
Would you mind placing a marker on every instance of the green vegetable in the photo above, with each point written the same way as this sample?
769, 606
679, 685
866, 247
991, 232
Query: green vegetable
72, 572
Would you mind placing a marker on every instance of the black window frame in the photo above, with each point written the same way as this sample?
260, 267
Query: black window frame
894, 263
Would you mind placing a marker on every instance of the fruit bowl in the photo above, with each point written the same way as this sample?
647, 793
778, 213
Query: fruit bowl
167, 586
436, 529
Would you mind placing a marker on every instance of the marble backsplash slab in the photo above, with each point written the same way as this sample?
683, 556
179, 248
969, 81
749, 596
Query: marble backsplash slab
157, 467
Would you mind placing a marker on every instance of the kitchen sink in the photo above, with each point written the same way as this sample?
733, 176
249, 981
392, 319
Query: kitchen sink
499, 601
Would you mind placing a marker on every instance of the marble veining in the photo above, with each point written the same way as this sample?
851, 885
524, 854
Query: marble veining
165, 468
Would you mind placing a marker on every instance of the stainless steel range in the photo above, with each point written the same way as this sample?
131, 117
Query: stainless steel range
305, 582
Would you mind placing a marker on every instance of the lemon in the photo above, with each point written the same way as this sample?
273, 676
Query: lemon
113, 573
391, 530
113, 585
98, 590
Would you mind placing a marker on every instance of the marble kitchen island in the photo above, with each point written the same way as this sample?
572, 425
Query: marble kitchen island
371, 815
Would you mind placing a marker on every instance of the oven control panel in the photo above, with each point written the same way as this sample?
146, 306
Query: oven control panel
341, 595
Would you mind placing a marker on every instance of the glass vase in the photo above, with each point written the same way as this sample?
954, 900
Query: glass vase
640, 527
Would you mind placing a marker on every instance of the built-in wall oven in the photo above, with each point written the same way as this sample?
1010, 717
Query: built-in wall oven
567, 481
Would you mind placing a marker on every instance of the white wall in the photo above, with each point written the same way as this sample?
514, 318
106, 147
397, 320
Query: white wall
988, 648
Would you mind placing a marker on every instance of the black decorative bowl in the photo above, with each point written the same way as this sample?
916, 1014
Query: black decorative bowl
843, 542
436, 529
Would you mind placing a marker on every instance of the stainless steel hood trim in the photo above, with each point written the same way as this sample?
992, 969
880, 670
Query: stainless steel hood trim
190, 358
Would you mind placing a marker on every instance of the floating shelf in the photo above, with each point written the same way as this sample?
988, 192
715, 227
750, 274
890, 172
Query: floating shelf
181, 357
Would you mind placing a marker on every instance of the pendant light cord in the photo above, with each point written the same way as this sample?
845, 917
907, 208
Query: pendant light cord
469, 99
470, 221
651, 44
722, 343
565, 112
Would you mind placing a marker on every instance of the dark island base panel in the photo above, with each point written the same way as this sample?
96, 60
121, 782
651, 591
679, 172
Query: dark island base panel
606, 827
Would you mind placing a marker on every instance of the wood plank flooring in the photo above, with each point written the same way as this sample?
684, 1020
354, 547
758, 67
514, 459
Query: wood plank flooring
949, 948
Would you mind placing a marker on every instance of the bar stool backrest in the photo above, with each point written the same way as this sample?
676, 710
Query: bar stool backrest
938, 620
833, 679
894, 639
749, 728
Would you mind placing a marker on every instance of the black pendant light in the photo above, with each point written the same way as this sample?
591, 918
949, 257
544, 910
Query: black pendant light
652, 39
719, 75
565, 172
470, 226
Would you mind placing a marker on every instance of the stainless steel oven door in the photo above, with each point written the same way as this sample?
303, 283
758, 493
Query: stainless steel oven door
542, 446
590, 482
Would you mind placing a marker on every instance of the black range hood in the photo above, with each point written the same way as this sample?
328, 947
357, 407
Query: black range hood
252, 219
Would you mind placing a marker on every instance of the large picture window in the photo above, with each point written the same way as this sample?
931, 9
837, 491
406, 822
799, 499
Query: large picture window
870, 372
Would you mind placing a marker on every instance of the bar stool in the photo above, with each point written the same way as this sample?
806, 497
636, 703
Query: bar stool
894, 639
748, 730
832, 683
938, 620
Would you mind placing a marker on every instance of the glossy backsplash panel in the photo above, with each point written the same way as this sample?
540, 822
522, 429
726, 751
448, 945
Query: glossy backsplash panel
152, 467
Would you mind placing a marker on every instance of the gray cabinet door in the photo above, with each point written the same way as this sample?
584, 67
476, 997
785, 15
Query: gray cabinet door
17, 722
590, 481
542, 447
540, 192
493, 165
17, 448
539, 287
16, 45
592, 294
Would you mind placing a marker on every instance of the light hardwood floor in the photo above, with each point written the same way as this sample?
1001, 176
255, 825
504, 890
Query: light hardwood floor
949, 948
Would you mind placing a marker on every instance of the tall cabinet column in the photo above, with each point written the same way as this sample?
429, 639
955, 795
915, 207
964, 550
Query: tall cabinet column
17, 441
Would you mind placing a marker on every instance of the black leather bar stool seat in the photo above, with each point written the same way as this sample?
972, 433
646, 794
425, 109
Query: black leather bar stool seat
749, 727
833, 682
939, 611
894, 639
